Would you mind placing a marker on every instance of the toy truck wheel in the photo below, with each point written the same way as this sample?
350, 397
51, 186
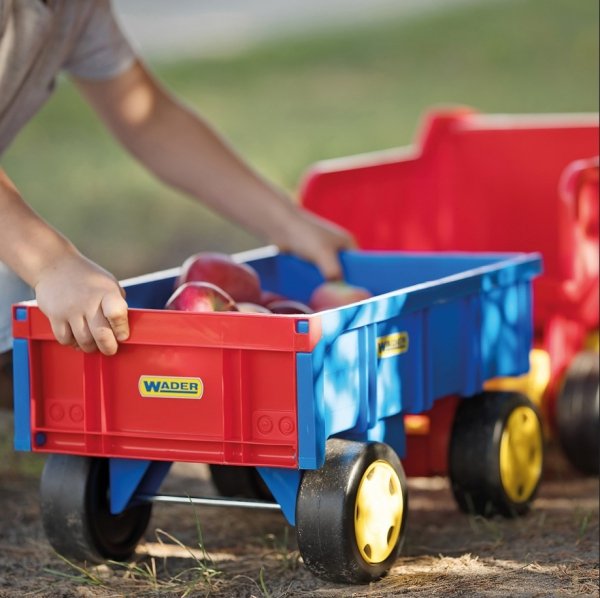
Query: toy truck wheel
76, 515
578, 413
350, 514
496, 454
242, 482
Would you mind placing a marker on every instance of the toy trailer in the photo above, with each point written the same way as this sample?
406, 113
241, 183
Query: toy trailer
477, 182
315, 402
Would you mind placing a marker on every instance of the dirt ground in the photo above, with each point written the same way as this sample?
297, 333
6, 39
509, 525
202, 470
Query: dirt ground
553, 551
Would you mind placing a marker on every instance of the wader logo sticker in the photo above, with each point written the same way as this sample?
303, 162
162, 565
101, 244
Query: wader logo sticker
171, 388
393, 344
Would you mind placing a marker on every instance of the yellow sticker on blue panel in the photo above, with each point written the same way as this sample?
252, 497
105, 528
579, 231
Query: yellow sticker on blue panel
392, 344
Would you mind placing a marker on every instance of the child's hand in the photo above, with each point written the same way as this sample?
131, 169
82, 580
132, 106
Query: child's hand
84, 303
317, 240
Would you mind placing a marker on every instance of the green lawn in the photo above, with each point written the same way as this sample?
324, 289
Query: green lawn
289, 103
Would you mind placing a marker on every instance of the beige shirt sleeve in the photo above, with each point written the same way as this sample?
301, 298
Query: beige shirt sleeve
101, 50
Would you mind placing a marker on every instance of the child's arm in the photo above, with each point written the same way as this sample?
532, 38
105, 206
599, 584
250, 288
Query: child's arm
83, 302
185, 152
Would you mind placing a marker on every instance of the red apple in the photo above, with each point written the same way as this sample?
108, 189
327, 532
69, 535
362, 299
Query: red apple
288, 306
200, 297
333, 294
252, 308
267, 297
238, 280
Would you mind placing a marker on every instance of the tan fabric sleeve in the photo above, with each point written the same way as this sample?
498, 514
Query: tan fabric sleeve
101, 50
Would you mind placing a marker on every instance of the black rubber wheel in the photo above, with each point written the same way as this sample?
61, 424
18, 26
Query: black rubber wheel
578, 413
496, 454
351, 513
76, 515
239, 482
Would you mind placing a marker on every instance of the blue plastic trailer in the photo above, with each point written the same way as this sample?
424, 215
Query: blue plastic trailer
314, 403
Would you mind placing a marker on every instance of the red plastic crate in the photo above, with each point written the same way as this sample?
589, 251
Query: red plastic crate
89, 404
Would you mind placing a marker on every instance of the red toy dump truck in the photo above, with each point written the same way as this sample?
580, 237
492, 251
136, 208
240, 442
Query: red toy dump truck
476, 182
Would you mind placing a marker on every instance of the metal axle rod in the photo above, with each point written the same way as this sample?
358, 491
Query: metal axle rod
210, 502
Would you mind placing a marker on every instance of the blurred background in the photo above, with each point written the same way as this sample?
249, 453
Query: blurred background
289, 83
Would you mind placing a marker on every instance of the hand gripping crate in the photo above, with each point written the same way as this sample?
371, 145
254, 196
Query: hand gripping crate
315, 402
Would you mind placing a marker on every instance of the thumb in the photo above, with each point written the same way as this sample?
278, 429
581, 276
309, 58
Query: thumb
114, 308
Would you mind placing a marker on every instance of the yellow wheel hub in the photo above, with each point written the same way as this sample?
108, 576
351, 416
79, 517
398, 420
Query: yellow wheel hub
378, 512
521, 448
533, 384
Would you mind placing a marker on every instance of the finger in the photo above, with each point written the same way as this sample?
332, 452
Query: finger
114, 308
329, 265
329, 261
83, 336
350, 242
63, 333
103, 334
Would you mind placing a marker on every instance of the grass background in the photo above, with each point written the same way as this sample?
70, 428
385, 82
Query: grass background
291, 102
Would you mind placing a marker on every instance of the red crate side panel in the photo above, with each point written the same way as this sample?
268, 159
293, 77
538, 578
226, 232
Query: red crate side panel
260, 420
56, 388
129, 411
273, 384
232, 417
161, 449
226, 330
94, 405
179, 329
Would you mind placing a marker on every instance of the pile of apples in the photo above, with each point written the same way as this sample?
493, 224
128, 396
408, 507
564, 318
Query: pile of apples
214, 282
